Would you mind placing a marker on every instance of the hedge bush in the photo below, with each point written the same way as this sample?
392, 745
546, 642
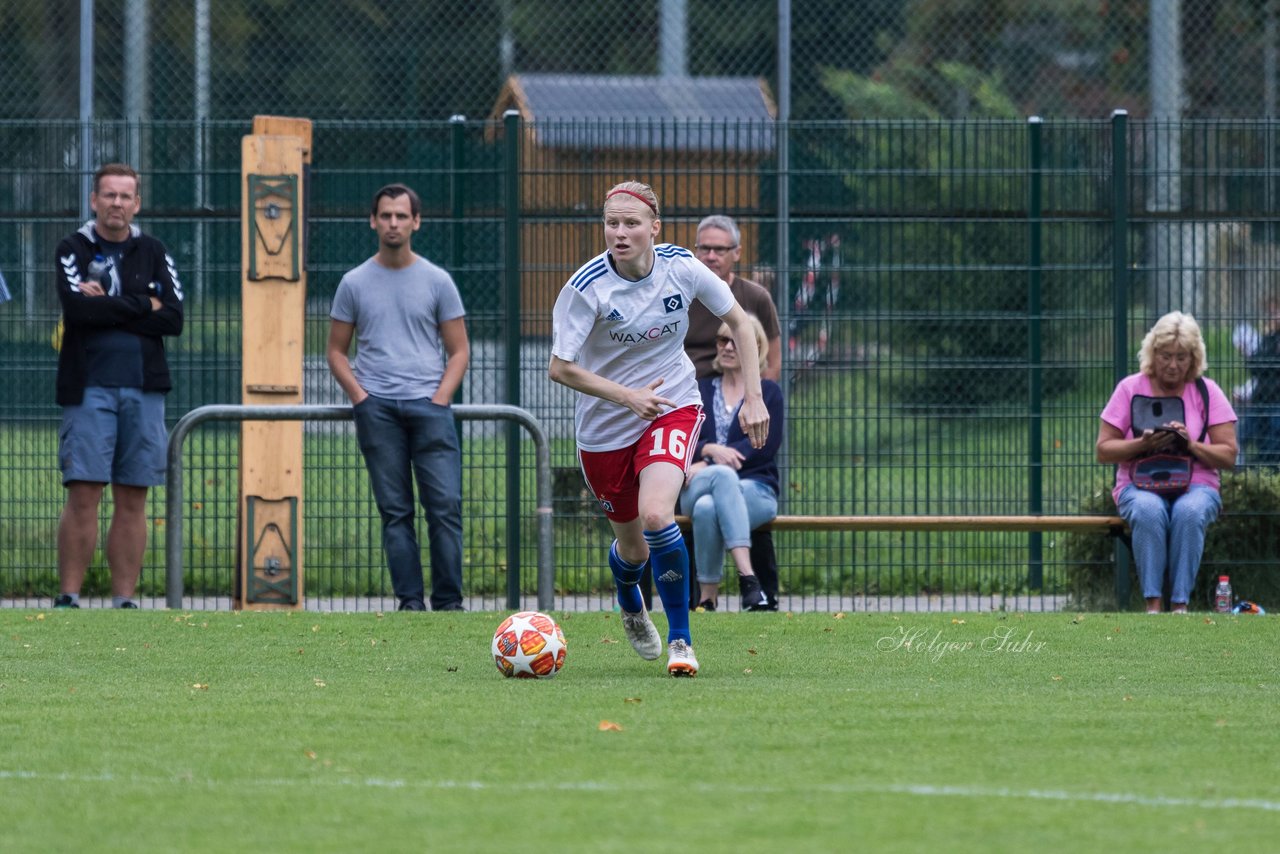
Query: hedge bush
1244, 543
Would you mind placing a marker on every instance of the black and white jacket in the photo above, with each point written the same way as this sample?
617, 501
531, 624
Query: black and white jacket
145, 270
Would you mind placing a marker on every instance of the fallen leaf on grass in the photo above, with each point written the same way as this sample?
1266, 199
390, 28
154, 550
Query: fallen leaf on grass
610, 726
751, 651
1210, 621
747, 670
1057, 679
310, 754
1128, 697
956, 621
839, 615
631, 700
320, 683
607, 640
200, 686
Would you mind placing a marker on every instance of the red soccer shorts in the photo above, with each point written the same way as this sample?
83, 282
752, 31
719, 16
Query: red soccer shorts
614, 476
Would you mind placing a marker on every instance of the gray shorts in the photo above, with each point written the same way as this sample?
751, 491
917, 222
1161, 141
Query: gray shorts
115, 435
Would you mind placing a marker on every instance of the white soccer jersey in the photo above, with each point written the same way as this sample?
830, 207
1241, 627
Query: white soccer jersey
632, 333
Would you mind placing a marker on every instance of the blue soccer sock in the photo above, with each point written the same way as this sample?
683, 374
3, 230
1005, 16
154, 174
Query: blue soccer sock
626, 577
670, 561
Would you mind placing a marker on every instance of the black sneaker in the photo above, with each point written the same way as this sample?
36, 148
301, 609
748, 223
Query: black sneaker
412, 605
65, 601
707, 605
129, 603
753, 598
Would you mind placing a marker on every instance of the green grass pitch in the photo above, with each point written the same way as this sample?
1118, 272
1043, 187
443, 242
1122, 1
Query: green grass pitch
174, 731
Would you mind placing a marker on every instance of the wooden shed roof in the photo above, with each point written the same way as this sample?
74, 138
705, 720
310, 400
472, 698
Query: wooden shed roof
611, 111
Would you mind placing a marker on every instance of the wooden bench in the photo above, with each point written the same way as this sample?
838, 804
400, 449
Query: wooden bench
1112, 525
1099, 524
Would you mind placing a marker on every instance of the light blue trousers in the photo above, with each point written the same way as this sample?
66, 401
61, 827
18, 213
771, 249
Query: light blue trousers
1169, 535
725, 509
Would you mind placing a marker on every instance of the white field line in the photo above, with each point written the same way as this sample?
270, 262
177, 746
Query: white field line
923, 791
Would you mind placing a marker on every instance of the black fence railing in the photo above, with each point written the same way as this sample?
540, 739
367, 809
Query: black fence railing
958, 299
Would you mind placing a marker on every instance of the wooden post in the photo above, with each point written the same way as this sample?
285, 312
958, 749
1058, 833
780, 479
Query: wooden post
274, 165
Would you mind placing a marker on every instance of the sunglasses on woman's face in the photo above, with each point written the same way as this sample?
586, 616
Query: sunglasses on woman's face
725, 341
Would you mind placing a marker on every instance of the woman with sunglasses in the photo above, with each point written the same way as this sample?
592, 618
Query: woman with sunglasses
733, 486
617, 338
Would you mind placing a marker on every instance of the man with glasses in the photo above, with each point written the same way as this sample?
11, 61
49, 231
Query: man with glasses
719, 246
120, 296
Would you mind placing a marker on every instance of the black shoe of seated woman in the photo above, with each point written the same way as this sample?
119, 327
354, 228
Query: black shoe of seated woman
753, 598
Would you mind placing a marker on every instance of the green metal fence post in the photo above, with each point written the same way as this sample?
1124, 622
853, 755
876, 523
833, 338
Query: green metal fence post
457, 205
457, 188
511, 312
1035, 469
1120, 295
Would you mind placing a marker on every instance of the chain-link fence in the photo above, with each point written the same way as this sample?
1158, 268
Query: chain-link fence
396, 59
958, 298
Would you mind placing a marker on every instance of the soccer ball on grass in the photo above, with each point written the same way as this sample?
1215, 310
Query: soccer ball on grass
529, 645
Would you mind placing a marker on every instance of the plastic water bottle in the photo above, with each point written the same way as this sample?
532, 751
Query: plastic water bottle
98, 268
1222, 595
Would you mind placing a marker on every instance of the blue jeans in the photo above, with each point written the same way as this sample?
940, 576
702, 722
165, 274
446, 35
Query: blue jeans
401, 440
725, 509
1169, 534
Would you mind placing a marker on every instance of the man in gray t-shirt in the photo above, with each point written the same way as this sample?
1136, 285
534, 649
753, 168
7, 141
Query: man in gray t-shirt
408, 322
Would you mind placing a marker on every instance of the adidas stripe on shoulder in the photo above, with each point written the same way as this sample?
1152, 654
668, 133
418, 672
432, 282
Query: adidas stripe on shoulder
588, 273
670, 250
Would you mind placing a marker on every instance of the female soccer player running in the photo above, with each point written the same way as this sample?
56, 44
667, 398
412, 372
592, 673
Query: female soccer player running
618, 339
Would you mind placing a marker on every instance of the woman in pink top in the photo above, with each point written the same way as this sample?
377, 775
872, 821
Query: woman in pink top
1168, 533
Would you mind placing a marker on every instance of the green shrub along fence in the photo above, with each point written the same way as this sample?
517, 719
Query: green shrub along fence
958, 299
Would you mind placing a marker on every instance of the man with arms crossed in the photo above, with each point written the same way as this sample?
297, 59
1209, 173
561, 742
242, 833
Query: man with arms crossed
120, 296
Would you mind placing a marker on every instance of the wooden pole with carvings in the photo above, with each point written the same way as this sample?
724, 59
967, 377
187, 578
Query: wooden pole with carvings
273, 304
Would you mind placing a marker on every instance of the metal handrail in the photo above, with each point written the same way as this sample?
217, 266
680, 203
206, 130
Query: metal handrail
174, 502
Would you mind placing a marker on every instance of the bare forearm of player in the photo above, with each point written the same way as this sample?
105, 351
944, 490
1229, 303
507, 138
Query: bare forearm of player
579, 379
745, 338
773, 361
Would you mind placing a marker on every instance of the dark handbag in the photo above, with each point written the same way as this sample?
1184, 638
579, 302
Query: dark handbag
1163, 474
1166, 474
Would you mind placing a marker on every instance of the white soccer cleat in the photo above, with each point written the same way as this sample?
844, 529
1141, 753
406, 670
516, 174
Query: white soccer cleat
680, 659
642, 634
